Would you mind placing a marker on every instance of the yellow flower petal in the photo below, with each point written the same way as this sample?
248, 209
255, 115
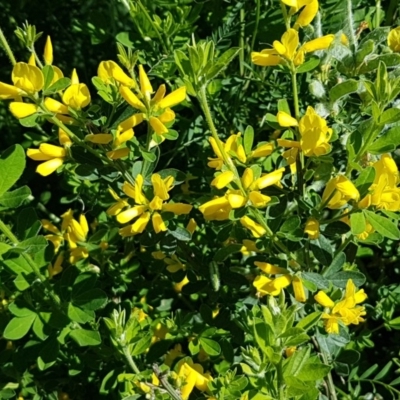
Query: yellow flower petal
48, 52
99, 138
256, 229
158, 127
119, 153
110, 69
174, 98
145, 85
49, 167
27, 77
22, 110
323, 299
286, 120
177, 208
8, 92
320, 43
55, 106
52, 151
77, 96
270, 179
131, 98
298, 289
37, 155
158, 223
307, 14
312, 228
270, 269
130, 214
266, 59
223, 179
131, 122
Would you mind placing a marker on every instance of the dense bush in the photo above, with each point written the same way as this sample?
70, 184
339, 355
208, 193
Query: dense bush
199, 199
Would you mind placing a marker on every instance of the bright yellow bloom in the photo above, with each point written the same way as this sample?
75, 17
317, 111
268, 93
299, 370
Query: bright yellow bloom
266, 285
56, 268
307, 14
286, 120
263, 150
145, 209
77, 96
192, 376
289, 351
178, 286
384, 193
312, 228
223, 179
315, 134
9, 92
173, 354
287, 50
48, 52
345, 311
339, 191
256, 229
22, 110
394, 39
157, 109
110, 70
232, 147
28, 78
54, 156
216, 210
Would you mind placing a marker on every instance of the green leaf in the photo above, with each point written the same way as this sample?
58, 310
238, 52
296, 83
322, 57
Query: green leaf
12, 165
61, 84
48, 74
91, 300
85, 337
15, 198
340, 279
32, 245
224, 252
357, 223
365, 180
248, 139
309, 65
290, 224
123, 38
294, 364
222, 62
181, 234
316, 279
28, 224
78, 315
48, 353
336, 265
343, 89
383, 225
309, 321
389, 141
322, 250
141, 345
369, 371
390, 60
211, 347
313, 371
17, 328
389, 116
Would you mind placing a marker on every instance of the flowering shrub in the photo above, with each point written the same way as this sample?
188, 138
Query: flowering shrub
231, 270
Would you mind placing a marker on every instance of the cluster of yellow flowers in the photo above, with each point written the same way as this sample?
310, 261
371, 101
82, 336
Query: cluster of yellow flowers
345, 311
72, 231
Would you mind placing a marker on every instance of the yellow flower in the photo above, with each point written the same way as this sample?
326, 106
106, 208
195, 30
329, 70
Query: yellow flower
173, 354
315, 134
22, 110
263, 150
394, 39
48, 52
56, 268
345, 311
217, 209
179, 285
232, 147
307, 14
157, 109
287, 50
266, 285
289, 351
77, 96
54, 156
9, 92
312, 228
192, 375
110, 71
384, 192
28, 78
256, 229
223, 179
338, 192
145, 209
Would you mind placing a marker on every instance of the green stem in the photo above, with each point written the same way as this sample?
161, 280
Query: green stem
241, 40
167, 386
130, 360
285, 16
350, 23
153, 25
39, 63
378, 14
13, 239
343, 245
391, 10
258, 12
7, 48
280, 381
